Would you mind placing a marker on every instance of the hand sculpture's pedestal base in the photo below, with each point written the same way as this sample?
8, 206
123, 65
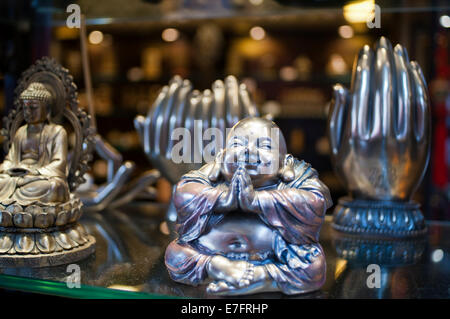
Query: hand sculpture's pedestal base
42, 235
380, 218
367, 250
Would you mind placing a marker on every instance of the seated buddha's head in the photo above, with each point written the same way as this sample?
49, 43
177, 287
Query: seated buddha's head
257, 145
36, 99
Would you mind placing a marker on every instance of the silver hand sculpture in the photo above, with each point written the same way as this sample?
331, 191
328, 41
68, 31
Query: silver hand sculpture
178, 105
118, 189
380, 139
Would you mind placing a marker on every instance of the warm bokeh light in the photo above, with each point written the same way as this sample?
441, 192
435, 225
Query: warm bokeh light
256, 2
336, 65
135, 74
359, 11
170, 34
288, 73
445, 21
95, 37
257, 33
346, 31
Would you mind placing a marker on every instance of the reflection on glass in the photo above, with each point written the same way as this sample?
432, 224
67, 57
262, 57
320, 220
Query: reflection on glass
371, 267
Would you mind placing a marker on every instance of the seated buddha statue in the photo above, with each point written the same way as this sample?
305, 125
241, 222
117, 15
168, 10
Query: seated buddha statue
249, 222
35, 168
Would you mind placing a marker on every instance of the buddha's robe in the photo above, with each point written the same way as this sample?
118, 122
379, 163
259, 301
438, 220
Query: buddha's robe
49, 185
292, 212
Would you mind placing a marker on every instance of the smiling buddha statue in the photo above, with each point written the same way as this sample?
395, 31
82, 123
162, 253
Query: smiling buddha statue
35, 168
249, 222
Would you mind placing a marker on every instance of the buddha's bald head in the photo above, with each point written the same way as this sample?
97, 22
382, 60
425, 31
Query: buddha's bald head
258, 145
257, 127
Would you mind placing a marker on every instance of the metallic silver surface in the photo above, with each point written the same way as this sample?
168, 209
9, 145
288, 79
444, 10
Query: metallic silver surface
38, 209
178, 105
380, 138
242, 230
385, 252
118, 189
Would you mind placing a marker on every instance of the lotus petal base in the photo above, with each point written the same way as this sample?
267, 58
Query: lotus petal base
34, 247
381, 218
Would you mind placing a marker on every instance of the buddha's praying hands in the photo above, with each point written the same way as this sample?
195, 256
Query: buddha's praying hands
249, 222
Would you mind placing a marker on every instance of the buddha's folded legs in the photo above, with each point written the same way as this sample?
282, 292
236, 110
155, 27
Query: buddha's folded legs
301, 277
189, 266
42, 190
7, 187
185, 264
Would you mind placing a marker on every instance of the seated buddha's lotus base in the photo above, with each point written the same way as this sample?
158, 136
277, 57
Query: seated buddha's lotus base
41, 235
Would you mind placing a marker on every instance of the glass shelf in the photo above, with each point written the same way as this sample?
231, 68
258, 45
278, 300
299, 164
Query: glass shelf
129, 263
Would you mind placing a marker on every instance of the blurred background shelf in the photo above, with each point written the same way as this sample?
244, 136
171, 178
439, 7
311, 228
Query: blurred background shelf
289, 53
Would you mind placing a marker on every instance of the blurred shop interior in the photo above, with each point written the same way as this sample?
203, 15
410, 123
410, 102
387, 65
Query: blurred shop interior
289, 53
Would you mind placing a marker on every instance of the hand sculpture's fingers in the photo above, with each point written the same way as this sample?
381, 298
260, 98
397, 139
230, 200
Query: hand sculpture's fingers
150, 121
421, 103
219, 105
402, 112
361, 109
232, 101
247, 105
178, 113
162, 134
337, 116
139, 125
198, 123
208, 109
384, 82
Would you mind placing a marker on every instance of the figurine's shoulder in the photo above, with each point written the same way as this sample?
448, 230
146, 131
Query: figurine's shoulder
301, 167
201, 173
302, 172
55, 128
22, 129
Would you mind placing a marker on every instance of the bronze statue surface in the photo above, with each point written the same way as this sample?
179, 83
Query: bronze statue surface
35, 167
38, 212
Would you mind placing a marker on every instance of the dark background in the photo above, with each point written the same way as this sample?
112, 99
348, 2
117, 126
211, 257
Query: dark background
292, 69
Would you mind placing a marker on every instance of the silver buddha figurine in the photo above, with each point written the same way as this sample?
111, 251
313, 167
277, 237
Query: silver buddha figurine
35, 167
38, 211
249, 222
380, 139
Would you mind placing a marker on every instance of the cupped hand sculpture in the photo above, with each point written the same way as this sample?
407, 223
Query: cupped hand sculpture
380, 138
178, 105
